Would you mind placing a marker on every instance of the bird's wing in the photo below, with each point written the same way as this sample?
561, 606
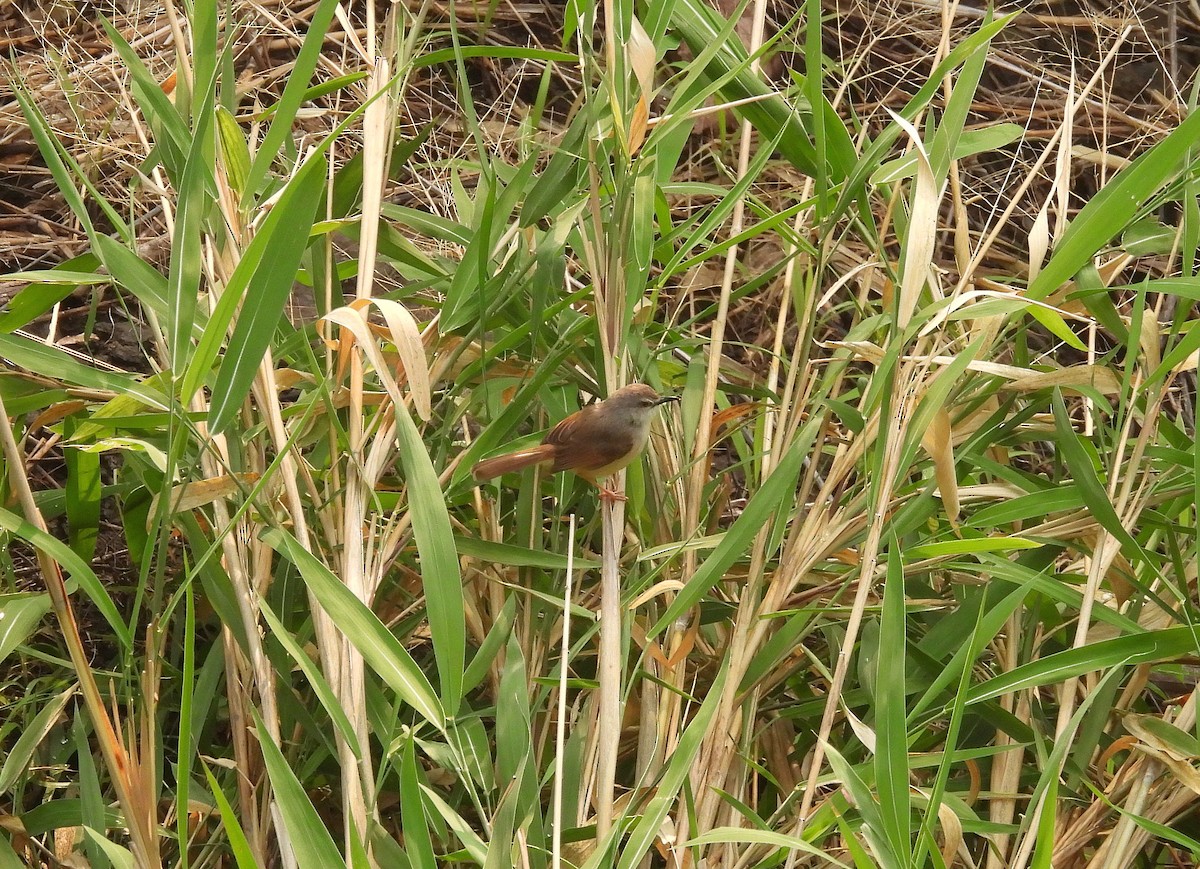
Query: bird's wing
574, 453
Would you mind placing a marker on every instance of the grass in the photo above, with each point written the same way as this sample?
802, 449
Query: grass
907, 579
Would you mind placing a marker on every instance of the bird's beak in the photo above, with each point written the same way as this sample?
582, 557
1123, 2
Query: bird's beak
667, 398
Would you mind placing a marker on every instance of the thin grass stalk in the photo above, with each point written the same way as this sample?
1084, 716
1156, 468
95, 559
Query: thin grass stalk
1006, 768
798, 361
606, 718
1034, 173
889, 438
560, 730
351, 678
143, 836
291, 472
357, 775
609, 666
244, 754
249, 666
145, 763
719, 748
661, 707
257, 670
608, 280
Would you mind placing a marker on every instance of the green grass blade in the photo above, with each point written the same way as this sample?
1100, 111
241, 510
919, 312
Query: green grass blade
16, 764
412, 811
891, 751
238, 843
440, 576
311, 843
868, 807
382, 651
294, 91
76, 568
20, 614
1145, 648
281, 243
1108, 212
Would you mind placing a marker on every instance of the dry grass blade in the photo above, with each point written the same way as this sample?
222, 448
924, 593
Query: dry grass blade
900, 494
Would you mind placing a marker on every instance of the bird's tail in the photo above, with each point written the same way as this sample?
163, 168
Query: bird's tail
511, 462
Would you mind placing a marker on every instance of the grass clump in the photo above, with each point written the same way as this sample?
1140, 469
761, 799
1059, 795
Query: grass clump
906, 580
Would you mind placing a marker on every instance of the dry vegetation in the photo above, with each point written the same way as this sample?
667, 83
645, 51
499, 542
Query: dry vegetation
908, 580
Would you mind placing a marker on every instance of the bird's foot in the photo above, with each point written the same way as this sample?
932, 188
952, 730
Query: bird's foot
610, 496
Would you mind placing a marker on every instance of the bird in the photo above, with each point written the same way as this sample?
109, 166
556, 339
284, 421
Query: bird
595, 442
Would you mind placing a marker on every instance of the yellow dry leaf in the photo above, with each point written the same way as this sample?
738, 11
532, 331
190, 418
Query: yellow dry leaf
189, 496
937, 442
1103, 380
922, 227
640, 55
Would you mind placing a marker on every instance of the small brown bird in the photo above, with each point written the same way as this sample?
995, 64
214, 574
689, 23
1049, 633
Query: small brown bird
595, 442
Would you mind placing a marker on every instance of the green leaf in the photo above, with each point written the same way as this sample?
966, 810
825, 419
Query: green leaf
440, 576
1145, 648
50, 361
263, 283
20, 614
522, 556
381, 650
121, 858
317, 91
1148, 236
46, 289
969, 546
412, 810
1113, 207
83, 492
750, 836
238, 843
970, 143
17, 763
8, 857
234, 155
312, 845
75, 567
1094, 493
193, 206
137, 276
867, 806
891, 752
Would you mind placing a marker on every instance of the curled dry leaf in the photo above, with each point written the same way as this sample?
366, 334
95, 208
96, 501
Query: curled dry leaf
403, 332
191, 496
640, 55
937, 440
922, 227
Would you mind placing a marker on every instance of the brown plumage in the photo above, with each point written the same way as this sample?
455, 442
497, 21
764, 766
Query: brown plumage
594, 442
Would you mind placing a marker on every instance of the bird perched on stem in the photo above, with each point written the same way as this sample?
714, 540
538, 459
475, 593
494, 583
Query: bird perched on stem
595, 442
